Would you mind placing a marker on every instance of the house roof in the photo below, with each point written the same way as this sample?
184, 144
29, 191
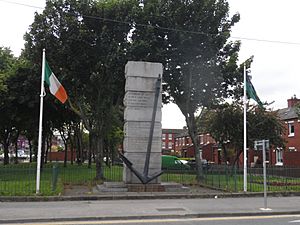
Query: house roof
184, 133
173, 131
287, 113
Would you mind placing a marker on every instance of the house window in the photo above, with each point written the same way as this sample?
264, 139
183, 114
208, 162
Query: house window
201, 139
279, 157
291, 129
176, 142
163, 144
163, 136
292, 149
170, 145
170, 136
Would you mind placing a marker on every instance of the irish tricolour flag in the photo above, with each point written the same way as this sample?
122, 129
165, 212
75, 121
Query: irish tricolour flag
54, 85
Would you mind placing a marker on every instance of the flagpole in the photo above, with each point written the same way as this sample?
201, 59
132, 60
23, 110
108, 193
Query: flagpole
245, 131
38, 170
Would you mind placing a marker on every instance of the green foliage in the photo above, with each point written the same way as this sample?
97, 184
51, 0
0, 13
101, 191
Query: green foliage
88, 55
198, 63
7, 109
265, 125
190, 38
7, 62
226, 124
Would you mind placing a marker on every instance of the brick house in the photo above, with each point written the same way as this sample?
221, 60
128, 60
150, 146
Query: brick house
290, 156
208, 147
168, 140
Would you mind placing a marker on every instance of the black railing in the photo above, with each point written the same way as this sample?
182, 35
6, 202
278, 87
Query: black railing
21, 179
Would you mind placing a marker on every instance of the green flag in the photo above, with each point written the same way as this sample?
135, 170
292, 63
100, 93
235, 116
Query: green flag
251, 93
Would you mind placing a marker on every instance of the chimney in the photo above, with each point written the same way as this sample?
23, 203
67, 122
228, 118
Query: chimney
293, 101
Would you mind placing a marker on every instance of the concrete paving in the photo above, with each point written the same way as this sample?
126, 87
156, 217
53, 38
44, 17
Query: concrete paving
144, 208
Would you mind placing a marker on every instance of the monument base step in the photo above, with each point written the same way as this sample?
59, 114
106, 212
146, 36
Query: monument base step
112, 187
146, 188
175, 187
122, 187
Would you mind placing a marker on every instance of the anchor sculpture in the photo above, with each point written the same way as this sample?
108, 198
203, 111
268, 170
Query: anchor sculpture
144, 177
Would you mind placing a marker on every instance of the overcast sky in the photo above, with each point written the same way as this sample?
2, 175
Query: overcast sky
275, 67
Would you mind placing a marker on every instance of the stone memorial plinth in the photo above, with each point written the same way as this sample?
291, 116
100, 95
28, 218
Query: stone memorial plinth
141, 78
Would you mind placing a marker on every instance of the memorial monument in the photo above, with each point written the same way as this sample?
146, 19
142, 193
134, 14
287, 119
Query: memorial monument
142, 128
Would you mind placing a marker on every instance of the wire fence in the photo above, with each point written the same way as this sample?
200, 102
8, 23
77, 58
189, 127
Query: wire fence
21, 179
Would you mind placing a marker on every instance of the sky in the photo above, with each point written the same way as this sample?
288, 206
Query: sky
269, 30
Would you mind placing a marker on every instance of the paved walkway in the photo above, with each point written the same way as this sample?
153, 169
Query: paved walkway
144, 208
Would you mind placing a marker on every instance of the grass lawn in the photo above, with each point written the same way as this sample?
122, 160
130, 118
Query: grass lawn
20, 179
235, 183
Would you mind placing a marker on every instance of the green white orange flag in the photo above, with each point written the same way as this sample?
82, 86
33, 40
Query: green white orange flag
54, 85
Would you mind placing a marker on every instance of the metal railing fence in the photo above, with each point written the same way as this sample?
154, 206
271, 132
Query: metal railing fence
21, 179
231, 178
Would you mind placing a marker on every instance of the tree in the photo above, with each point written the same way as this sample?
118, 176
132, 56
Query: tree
7, 62
90, 55
225, 124
190, 38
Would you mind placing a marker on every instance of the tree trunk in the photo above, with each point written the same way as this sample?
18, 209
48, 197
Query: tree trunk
188, 111
239, 152
191, 124
6, 155
16, 149
82, 158
72, 149
43, 151
78, 148
14, 139
93, 155
5, 142
66, 147
50, 145
78, 144
30, 150
35, 149
112, 154
66, 153
90, 150
99, 156
46, 152
225, 157
48, 148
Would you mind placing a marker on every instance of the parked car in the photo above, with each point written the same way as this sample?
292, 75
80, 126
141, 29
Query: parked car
205, 164
22, 154
173, 163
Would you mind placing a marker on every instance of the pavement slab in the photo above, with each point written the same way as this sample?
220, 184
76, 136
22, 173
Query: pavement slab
144, 209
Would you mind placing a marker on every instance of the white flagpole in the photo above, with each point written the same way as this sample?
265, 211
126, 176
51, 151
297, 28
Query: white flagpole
38, 170
245, 131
